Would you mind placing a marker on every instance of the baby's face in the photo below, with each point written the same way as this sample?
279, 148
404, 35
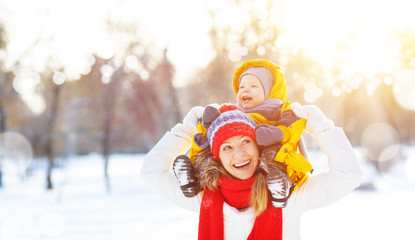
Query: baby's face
251, 92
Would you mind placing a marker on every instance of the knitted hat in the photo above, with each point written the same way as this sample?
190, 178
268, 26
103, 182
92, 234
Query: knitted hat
264, 75
231, 122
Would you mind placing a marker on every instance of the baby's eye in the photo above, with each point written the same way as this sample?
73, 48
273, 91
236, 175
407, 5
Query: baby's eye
241, 87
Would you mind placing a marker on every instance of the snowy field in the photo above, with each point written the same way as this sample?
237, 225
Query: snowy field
80, 208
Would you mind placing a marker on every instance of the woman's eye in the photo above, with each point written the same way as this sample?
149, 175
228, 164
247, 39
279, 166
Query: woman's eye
246, 141
226, 148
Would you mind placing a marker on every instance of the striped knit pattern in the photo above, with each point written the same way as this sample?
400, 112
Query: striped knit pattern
227, 125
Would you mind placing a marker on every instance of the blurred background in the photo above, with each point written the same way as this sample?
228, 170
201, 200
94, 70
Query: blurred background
96, 84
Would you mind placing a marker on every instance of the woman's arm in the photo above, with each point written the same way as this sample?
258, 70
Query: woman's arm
344, 171
156, 168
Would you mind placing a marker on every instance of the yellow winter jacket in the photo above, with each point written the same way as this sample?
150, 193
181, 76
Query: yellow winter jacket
298, 167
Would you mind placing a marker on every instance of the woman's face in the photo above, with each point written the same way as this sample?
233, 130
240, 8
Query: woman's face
239, 156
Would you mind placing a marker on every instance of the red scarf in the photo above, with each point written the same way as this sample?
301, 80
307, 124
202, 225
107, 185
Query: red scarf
236, 193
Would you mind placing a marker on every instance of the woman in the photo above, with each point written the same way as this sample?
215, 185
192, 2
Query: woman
222, 216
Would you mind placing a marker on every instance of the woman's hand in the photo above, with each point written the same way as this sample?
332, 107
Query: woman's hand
193, 116
188, 128
316, 121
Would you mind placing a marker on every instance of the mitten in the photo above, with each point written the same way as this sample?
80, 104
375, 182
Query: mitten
188, 128
186, 176
267, 135
209, 115
316, 121
200, 140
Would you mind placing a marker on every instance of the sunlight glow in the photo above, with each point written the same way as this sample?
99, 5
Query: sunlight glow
355, 36
365, 43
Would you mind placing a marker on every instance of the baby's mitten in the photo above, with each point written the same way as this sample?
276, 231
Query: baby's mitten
267, 135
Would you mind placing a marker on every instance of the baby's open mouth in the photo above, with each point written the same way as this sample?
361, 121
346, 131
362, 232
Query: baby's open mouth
246, 98
242, 164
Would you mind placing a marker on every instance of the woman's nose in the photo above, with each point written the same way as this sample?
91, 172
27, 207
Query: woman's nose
239, 152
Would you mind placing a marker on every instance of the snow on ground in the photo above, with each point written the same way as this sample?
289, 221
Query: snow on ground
80, 207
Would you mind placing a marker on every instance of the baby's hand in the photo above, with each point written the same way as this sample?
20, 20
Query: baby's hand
267, 135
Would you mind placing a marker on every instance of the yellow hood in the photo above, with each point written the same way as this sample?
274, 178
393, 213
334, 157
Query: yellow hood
278, 90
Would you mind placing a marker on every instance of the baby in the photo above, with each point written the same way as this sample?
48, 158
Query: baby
261, 93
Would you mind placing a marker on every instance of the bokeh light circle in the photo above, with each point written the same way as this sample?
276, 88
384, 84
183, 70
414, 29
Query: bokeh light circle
15, 148
389, 153
404, 89
380, 142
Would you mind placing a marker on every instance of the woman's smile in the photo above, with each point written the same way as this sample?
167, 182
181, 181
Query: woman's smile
242, 165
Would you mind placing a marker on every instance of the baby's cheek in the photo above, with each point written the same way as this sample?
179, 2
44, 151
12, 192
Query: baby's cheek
238, 98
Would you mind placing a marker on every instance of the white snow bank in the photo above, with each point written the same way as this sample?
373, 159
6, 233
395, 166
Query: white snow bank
80, 208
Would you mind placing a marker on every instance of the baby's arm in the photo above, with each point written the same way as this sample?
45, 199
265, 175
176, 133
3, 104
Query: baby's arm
287, 118
268, 135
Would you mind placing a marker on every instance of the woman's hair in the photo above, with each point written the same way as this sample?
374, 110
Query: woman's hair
209, 171
260, 192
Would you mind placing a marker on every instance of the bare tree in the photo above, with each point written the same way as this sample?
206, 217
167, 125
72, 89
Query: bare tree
162, 78
51, 117
109, 99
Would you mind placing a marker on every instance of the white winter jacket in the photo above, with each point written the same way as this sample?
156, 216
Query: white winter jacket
317, 191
